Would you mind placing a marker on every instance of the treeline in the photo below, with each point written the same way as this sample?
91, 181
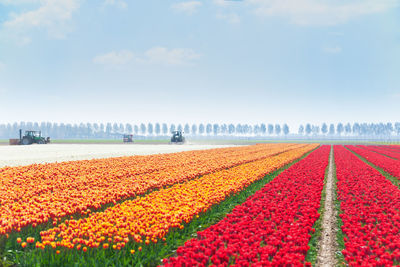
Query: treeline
116, 130
373, 130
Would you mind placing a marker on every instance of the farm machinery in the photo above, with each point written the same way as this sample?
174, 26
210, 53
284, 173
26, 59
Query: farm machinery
177, 137
30, 137
128, 138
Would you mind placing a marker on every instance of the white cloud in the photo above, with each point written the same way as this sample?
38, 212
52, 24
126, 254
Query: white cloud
155, 55
317, 12
118, 3
221, 2
232, 18
17, 2
332, 49
114, 58
165, 56
188, 7
51, 15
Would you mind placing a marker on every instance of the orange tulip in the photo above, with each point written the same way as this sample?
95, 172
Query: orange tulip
151, 216
32, 195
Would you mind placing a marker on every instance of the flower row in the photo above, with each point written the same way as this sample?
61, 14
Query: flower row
149, 218
371, 212
384, 150
389, 165
272, 228
394, 147
38, 193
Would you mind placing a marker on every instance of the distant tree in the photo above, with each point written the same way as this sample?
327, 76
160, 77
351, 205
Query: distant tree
339, 128
90, 130
364, 129
143, 129
270, 129
324, 128
356, 128
96, 127
263, 129
150, 128
239, 129
216, 128
3, 133
157, 129
180, 128
164, 129
331, 129
194, 129
256, 129
108, 129
186, 129
101, 128
128, 128
22, 125
285, 129
397, 128
308, 129
49, 128
246, 129
208, 128
301, 130
42, 127
29, 125
224, 129
54, 130
136, 129
347, 128
121, 128
315, 129
231, 129
277, 129
9, 130
115, 128
389, 128
81, 130
201, 128
172, 127
75, 131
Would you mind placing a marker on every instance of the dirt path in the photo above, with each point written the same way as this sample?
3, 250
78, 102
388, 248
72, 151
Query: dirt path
327, 243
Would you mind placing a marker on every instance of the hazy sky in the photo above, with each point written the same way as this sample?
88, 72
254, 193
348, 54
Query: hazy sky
248, 61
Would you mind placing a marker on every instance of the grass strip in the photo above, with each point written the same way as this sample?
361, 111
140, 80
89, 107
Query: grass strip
153, 253
339, 223
312, 253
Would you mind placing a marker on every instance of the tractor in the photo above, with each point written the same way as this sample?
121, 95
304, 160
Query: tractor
128, 138
177, 137
32, 137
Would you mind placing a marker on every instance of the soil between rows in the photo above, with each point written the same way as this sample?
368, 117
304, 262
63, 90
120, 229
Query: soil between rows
327, 244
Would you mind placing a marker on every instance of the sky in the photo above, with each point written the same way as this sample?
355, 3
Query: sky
250, 61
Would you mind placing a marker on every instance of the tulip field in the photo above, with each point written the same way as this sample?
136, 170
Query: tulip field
258, 205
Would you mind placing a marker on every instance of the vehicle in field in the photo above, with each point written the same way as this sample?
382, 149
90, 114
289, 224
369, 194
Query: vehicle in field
177, 137
128, 138
32, 137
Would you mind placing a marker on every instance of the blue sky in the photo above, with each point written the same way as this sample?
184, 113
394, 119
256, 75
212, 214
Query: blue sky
251, 61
